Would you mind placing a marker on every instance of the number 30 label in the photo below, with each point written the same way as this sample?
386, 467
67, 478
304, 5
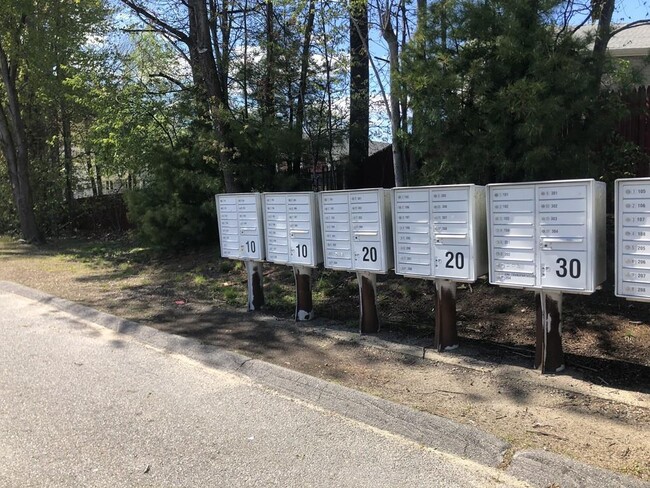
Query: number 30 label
571, 267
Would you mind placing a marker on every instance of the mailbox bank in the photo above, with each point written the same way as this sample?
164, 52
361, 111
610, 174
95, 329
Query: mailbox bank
292, 229
439, 232
632, 201
548, 235
356, 229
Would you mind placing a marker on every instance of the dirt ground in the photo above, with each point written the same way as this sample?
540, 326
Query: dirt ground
597, 411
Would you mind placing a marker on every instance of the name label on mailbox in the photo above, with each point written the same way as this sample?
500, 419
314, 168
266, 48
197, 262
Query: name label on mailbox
632, 200
439, 232
239, 218
292, 228
547, 235
356, 230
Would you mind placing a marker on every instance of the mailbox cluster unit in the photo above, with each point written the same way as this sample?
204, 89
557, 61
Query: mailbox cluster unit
292, 228
356, 228
240, 226
632, 200
547, 235
439, 232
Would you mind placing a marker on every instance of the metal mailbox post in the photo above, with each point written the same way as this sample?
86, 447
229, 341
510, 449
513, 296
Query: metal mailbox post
356, 229
548, 237
293, 237
241, 236
439, 233
632, 202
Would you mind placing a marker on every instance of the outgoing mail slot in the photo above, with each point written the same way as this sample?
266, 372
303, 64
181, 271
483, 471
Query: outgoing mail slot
450, 239
365, 236
409, 207
563, 243
300, 233
418, 218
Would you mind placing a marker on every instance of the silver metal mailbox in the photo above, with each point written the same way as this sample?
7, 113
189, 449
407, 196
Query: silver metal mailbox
240, 226
632, 202
439, 232
292, 228
356, 230
547, 235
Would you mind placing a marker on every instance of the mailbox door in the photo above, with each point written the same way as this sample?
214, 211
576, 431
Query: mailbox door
452, 261
562, 215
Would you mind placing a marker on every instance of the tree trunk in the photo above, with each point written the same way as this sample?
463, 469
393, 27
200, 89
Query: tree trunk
603, 10
359, 95
304, 67
13, 141
268, 82
67, 154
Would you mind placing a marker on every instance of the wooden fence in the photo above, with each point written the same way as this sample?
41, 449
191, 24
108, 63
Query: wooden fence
636, 127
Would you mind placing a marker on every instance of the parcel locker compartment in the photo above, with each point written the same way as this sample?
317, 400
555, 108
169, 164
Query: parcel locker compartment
367, 255
564, 269
413, 270
635, 220
301, 251
452, 262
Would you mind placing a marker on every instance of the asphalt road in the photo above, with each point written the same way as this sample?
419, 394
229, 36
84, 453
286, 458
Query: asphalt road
81, 405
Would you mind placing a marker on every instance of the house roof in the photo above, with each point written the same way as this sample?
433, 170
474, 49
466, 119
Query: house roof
634, 41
